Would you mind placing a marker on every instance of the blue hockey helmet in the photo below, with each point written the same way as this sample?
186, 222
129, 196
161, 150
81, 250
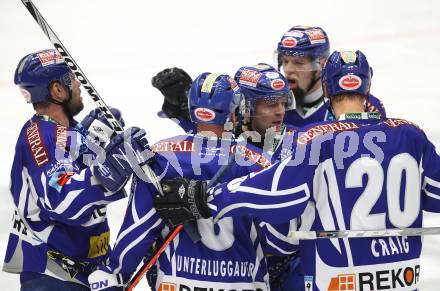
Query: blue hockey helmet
36, 72
303, 41
262, 82
213, 97
346, 72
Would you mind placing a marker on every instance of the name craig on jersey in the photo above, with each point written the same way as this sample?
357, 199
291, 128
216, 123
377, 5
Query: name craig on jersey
387, 247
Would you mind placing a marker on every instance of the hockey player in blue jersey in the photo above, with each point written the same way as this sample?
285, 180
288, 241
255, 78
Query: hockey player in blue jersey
60, 232
174, 84
367, 173
301, 54
267, 96
230, 255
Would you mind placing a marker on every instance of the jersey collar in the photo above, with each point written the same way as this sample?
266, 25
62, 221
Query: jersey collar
313, 97
312, 103
46, 118
72, 123
270, 148
210, 137
359, 115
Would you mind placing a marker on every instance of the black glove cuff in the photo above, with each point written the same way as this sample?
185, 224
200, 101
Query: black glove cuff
172, 111
197, 198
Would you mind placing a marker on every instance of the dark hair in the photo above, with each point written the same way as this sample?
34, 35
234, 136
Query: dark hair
348, 96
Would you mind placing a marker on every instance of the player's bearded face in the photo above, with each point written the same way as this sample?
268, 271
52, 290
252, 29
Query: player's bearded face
300, 72
268, 114
75, 105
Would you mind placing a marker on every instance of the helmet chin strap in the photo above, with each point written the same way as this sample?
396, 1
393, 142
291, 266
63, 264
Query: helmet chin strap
65, 102
302, 101
313, 83
331, 108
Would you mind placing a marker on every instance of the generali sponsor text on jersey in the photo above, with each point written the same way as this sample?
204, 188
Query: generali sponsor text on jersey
33, 137
315, 131
251, 155
174, 146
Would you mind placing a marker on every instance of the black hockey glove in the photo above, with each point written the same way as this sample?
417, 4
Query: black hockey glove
174, 84
184, 200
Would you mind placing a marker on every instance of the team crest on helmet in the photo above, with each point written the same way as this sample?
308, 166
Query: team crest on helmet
315, 35
289, 42
204, 114
249, 77
50, 57
272, 75
350, 82
294, 33
348, 56
277, 84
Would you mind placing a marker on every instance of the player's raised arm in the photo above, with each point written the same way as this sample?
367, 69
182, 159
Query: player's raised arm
276, 202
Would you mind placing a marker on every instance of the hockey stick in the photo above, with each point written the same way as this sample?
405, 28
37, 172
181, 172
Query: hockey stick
133, 282
144, 269
99, 102
72, 65
310, 235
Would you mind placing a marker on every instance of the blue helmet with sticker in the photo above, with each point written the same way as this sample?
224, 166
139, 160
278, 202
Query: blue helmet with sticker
213, 97
304, 41
346, 72
36, 72
262, 82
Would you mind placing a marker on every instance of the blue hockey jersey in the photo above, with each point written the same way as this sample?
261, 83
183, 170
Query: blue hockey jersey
59, 225
359, 173
282, 148
303, 116
187, 125
230, 255
300, 117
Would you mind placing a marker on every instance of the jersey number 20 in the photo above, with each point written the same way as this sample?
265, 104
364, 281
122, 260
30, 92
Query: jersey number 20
402, 167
